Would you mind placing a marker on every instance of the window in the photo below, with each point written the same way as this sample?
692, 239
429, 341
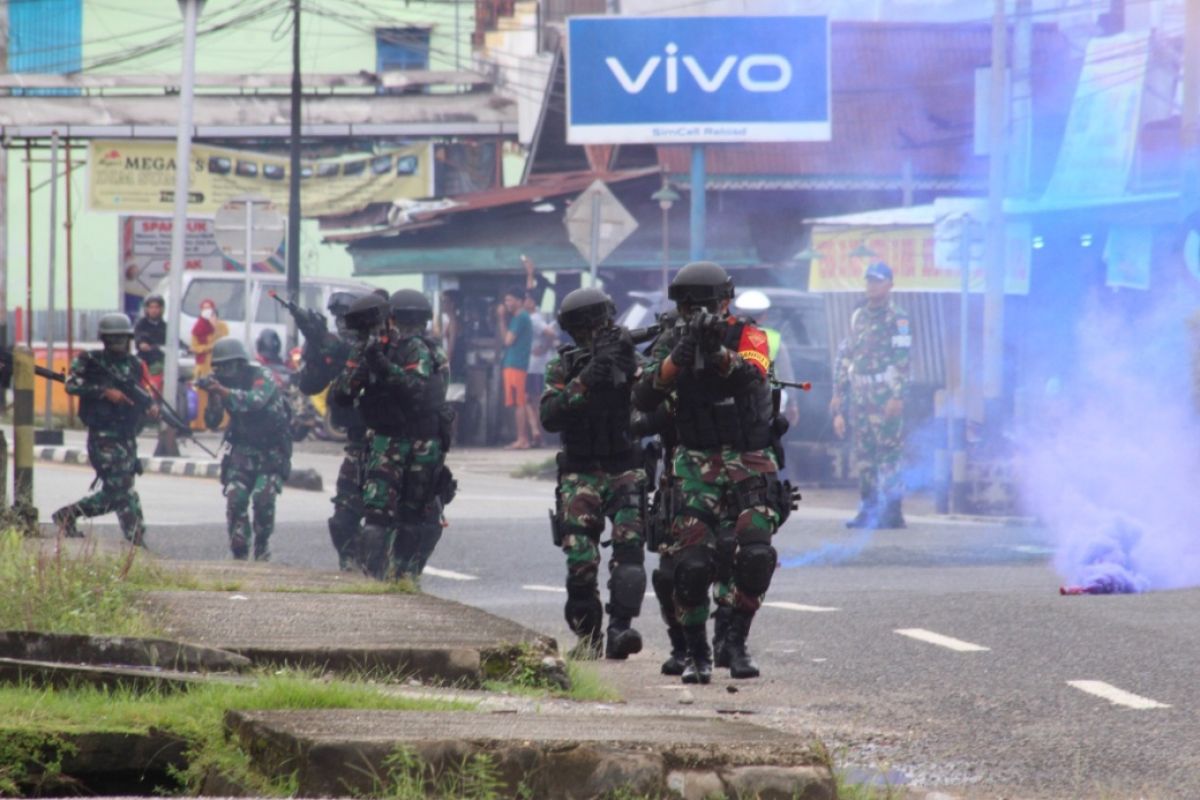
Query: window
227, 295
401, 48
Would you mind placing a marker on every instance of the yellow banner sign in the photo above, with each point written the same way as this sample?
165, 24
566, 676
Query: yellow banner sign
911, 252
138, 176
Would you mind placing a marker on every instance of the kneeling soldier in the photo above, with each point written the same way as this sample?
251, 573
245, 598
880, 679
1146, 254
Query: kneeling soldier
260, 444
587, 400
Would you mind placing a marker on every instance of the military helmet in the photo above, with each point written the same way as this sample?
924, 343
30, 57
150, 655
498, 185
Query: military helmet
340, 302
585, 309
268, 344
229, 349
411, 306
366, 312
701, 282
115, 324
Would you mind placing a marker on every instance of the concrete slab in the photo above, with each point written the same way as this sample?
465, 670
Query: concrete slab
58, 675
129, 651
339, 753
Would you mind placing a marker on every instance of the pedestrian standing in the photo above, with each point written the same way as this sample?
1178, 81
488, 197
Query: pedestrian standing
150, 337
104, 380
260, 445
545, 337
518, 344
587, 400
870, 379
206, 331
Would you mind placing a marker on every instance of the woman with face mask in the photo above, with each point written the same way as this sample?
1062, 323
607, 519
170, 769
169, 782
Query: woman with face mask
205, 333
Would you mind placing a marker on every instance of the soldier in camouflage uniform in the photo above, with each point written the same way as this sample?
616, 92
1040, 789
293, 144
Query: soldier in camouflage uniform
587, 400
871, 375
324, 359
715, 368
260, 444
104, 380
397, 381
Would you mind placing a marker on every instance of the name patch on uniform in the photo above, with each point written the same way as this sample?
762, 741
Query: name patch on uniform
758, 359
901, 341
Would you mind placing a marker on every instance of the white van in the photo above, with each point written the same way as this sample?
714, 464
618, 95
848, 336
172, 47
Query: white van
227, 291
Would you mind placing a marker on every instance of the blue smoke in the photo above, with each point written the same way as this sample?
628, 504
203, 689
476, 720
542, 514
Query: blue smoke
829, 553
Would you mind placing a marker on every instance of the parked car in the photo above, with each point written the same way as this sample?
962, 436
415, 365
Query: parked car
804, 355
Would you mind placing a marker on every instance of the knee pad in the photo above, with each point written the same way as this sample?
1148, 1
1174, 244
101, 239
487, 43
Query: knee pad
753, 568
581, 585
693, 575
583, 611
663, 581
626, 589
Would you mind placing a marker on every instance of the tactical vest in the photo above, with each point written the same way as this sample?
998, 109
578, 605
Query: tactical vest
714, 413
269, 427
101, 415
391, 412
600, 438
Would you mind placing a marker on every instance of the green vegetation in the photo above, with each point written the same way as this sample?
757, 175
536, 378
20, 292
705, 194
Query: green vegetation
35, 718
407, 777
587, 685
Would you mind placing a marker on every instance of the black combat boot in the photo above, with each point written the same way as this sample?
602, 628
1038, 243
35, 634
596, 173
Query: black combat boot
741, 665
720, 631
893, 516
699, 663
867, 516
585, 617
623, 641
677, 661
64, 520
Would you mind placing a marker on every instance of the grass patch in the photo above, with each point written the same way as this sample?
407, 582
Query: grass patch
401, 586
528, 680
545, 469
587, 685
33, 716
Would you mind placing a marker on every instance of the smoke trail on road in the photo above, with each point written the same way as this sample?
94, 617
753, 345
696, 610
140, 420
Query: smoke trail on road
1111, 466
830, 552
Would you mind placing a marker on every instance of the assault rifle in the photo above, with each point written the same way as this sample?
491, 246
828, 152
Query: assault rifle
608, 339
309, 322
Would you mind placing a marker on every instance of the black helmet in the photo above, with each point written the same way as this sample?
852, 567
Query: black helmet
585, 310
269, 345
115, 324
701, 282
229, 349
340, 302
366, 312
410, 307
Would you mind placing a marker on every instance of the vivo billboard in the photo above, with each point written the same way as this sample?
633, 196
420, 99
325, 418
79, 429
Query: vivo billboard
666, 80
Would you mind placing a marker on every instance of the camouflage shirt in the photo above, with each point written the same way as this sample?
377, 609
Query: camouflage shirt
259, 414
876, 350
88, 381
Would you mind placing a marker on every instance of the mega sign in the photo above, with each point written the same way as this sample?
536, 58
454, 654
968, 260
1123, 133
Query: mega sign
697, 79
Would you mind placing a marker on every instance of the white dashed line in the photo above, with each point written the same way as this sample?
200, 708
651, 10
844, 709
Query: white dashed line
448, 574
958, 645
798, 606
1116, 696
539, 587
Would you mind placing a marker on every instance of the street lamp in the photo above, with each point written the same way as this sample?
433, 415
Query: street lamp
666, 197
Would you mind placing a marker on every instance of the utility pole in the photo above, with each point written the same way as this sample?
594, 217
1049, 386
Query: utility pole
1021, 122
3, 201
167, 446
293, 230
993, 299
1190, 128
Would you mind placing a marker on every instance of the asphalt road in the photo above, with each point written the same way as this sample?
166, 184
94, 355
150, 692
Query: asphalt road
940, 656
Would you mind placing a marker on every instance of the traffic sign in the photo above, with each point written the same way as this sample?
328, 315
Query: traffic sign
258, 214
597, 223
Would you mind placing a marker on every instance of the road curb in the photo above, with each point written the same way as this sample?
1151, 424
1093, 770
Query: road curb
307, 479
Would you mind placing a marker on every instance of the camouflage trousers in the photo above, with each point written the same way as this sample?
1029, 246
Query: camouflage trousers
711, 485
252, 476
878, 446
114, 457
400, 494
586, 501
348, 504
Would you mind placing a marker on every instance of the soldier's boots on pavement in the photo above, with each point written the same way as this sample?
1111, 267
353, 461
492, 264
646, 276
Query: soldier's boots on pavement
239, 548
699, 662
867, 516
675, 663
890, 517
720, 631
741, 665
64, 520
893, 516
622, 641
586, 620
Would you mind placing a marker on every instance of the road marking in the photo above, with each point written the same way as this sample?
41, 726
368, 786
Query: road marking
540, 587
957, 645
798, 606
448, 574
1116, 696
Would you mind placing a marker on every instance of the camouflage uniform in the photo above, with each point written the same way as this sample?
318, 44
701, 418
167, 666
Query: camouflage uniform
598, 480
111, 443
324, 360
872, 368
405, 479
259, 458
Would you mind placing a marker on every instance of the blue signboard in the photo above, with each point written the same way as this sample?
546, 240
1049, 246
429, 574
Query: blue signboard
669, 80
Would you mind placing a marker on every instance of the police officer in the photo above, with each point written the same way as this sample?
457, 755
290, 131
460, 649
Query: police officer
259, 436
587, 401
715, 365
397, 381
112, 385
870, 376
324, 359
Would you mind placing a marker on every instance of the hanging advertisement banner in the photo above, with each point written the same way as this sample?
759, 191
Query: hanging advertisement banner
138, 176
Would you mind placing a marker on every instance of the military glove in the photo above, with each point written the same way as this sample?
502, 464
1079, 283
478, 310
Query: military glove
683, 354
598, 372
376, 358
